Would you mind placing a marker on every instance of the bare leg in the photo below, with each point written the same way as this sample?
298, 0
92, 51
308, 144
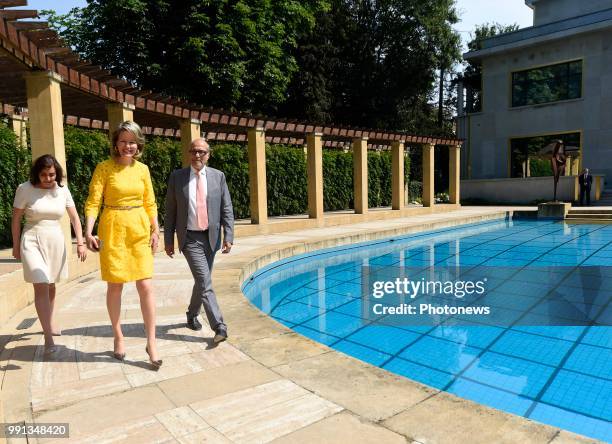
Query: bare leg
147, 307
43, 310
113, 305
54, 331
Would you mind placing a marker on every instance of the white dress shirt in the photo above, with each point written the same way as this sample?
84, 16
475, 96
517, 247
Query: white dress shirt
192, 216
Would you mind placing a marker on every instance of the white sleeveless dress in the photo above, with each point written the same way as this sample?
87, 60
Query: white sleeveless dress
43, 250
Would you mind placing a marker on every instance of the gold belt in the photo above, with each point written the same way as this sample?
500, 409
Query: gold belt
112, 207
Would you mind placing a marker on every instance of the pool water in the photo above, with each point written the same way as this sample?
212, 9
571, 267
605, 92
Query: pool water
558, 375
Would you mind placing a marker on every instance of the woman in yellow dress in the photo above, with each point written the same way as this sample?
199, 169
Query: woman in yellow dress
128, 231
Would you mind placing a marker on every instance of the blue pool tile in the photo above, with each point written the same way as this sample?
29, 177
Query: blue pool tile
351, 289
511, 374
531, 289
294, 312
316, 335
601, 336
592, 360
365, 354
513, 301
439, 354
353, 308
474, 336
335, 323
581, 393
556, 308
326, 300
420, 373
547, 351
387, 339
568, 420
492, 397
568, 333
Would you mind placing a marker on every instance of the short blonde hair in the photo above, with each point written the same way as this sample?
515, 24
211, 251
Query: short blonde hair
131, 127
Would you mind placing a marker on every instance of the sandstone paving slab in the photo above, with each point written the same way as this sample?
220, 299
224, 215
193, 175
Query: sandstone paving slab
448, 419
342, 427
207, 436
359, 387
565, 437
182, 421
262, 413
282, 349
216, 382
93, 415
145, 430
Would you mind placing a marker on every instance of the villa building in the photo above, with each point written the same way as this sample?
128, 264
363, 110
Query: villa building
539, 84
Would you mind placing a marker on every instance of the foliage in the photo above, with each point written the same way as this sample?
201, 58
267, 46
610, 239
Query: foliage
415, 191
226, 53
84, 150
361, 63
233, 160
472, 75
338, 193
14, 169
162, 155
540, 167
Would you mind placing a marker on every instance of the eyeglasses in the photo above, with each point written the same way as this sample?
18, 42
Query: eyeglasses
201, 153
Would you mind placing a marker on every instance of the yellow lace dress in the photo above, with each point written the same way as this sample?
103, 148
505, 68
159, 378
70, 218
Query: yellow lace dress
125, 224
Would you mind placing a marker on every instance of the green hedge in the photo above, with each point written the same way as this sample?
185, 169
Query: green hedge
285, 167
14, 169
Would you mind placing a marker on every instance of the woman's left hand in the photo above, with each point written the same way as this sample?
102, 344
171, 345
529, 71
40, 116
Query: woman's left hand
82, 252
154, 241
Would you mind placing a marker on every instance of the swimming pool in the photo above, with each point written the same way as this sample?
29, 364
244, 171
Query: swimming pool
558, 375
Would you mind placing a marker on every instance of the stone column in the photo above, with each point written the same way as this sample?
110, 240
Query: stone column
47, 125
428, 175
117, 113
19, 125
397, 175
257, 175
360, 174
190, 131
454, 173
314, 159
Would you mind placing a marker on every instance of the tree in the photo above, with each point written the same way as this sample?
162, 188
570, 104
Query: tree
370, 63
472, 75
223, 53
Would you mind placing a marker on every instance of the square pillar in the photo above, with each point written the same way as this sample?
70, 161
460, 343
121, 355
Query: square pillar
47, 125
190, 131
397, 175
314, 160
257, 175
19, 126
428, 175
360, 174
117, 113
454, 173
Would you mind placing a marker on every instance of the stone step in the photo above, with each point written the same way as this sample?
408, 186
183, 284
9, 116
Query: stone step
589, 216
589, 211
588, 221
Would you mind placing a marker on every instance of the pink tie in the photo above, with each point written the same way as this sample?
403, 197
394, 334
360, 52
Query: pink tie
201, 209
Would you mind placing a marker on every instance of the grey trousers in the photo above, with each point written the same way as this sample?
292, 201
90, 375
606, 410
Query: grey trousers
200, 258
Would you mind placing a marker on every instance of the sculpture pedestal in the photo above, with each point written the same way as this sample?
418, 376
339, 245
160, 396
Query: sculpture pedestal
553, 210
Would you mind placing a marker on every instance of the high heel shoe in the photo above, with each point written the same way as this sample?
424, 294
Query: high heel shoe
157, 364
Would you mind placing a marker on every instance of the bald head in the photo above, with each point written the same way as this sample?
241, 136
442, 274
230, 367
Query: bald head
200, 153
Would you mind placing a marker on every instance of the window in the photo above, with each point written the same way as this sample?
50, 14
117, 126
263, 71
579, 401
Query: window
530, 156
547, 84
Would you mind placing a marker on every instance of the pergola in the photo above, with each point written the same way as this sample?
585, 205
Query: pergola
40, 73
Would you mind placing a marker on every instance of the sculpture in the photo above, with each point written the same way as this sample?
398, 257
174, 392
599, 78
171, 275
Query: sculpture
557, 161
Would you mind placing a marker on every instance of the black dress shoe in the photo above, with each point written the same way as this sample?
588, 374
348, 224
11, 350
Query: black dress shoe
220, 335
193, 323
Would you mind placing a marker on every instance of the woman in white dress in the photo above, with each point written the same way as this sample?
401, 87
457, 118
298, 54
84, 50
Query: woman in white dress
42, 249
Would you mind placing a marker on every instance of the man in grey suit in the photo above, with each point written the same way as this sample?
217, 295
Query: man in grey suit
198, 204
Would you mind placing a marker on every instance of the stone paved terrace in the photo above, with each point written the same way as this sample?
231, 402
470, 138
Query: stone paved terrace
266, 384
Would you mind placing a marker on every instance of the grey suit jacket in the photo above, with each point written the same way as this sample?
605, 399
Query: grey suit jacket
218, 201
